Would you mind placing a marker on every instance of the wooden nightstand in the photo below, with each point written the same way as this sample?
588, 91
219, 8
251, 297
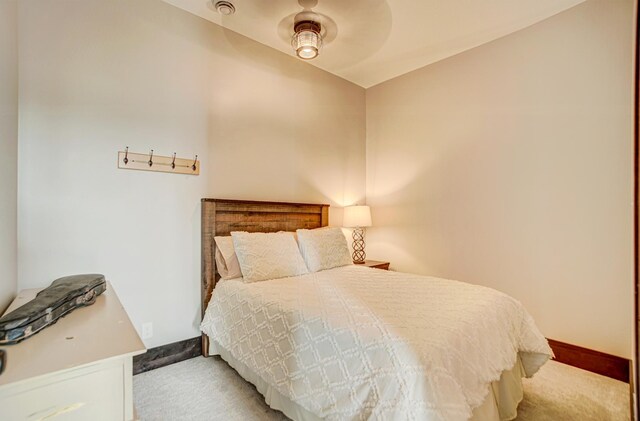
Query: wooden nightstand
375, 264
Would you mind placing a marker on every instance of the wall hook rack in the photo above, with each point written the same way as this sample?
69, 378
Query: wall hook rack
151, 162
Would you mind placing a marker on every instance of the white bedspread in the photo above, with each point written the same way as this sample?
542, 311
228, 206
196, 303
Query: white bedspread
354, 343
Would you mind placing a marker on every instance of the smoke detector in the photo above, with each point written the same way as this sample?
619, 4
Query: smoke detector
225, 8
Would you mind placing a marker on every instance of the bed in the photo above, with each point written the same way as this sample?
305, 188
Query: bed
352, 343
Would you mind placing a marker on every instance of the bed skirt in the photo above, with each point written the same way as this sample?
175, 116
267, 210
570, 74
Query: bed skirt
501, 403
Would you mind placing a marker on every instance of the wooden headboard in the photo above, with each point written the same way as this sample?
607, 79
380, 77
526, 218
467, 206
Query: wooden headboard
220, 217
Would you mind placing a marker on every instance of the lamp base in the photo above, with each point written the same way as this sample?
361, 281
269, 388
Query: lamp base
358, 256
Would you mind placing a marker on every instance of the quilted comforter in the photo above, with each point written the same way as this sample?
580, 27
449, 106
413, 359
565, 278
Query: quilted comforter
354, 343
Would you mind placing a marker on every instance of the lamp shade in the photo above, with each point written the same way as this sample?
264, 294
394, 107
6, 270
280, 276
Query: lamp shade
356, 216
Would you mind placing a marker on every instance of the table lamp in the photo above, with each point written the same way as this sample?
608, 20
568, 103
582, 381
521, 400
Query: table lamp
357, 217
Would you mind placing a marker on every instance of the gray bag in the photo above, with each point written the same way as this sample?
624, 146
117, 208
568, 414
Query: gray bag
61, 297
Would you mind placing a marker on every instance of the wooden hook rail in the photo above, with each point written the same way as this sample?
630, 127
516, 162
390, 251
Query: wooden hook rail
150, 162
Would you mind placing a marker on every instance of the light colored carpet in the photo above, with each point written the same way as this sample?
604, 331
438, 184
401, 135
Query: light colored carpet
208, 389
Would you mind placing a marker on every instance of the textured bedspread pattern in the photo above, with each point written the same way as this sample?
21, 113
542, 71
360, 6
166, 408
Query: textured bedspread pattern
355, 343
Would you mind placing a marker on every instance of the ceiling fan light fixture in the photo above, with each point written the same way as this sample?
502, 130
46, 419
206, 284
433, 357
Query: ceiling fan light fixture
307, 39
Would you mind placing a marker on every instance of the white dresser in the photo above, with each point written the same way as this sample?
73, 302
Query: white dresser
80, 368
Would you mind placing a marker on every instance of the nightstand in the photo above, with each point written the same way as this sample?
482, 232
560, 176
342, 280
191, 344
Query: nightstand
79, 368
375, 264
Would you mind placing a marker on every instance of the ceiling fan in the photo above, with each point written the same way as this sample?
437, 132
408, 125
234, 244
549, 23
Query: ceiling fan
310, 30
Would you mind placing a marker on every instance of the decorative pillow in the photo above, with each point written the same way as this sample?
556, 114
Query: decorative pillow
226, 259
265, 256
324, 248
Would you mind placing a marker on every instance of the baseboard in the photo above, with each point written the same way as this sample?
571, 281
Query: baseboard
166, 354
587, 359
595, 361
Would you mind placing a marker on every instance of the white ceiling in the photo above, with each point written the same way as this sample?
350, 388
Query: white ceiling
370, 41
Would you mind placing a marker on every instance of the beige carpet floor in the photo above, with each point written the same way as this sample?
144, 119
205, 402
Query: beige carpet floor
208, 389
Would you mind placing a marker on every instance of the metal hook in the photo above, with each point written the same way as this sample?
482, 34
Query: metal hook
151, 158
193, 167
173, 163
126, 156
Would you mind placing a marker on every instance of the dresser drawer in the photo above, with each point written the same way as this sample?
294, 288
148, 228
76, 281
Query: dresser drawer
94, 392
79, 368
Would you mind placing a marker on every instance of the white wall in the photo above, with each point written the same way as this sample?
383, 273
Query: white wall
96, 76
511, 165
8, 149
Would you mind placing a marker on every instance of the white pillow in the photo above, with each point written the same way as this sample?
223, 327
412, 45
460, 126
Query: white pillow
226, 259
265, 256
324, 248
